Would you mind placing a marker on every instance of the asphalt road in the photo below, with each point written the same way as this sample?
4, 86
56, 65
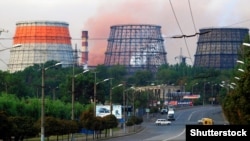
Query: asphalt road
175, 131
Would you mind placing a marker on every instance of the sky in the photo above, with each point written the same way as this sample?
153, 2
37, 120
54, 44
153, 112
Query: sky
176, 17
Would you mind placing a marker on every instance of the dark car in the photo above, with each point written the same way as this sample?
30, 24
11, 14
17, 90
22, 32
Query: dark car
164, 111
103, 110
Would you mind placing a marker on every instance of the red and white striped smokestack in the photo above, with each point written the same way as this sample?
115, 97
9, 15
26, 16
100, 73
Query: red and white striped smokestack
84, 59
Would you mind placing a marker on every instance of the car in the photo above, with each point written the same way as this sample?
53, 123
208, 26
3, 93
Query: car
103, 110
164, 111
206, 121
162, 122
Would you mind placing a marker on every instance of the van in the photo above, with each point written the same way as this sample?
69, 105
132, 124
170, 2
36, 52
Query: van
171, 115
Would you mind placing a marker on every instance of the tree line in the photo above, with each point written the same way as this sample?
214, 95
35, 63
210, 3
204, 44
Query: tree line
21, 91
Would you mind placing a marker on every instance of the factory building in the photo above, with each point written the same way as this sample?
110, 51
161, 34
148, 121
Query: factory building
137, 47
218, 48
41, 41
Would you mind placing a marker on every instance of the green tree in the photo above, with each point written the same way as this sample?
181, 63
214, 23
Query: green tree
6, 127
87, 119
23, 127
110, 122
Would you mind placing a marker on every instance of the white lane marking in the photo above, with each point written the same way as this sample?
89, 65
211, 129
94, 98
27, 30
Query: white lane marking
175, 136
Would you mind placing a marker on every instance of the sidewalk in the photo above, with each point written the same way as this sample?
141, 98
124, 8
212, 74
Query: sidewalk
116, 133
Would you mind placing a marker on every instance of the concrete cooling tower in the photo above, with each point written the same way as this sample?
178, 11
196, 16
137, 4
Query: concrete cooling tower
219, 47
41, 41
137, 47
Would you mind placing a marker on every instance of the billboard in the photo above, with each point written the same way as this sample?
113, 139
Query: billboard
117, 111
104, 110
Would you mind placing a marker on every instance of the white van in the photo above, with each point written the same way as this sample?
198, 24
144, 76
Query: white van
171, 115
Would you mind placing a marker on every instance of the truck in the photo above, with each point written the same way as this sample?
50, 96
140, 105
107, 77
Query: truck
171, 115
206, 121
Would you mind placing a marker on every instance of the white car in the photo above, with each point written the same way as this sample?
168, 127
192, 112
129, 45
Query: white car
162, 122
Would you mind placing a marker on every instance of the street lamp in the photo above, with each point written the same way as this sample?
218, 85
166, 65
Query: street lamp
241, 62
241, 70
193, 87
14, 46
95, 84
54, 93
43, 105
73, 93
124, 107
204, 93
111, 107
110, 93
237, 78
246, 44
213, 99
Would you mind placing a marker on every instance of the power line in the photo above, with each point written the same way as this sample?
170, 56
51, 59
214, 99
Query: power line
166, 37
180, 30
190, 9
175, 16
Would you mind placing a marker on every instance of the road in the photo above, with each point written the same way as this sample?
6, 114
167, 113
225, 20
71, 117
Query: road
176, 131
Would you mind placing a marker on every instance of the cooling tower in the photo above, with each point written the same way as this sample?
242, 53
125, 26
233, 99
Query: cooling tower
41, 41
137, 47
219, 47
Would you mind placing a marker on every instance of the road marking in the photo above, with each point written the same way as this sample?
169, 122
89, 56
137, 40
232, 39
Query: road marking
175, 136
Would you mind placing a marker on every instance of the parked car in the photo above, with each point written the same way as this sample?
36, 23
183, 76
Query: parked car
162, 122
164, 111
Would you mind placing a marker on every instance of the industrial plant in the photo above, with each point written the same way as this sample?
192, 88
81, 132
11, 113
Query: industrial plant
137, 47
134, 46
219, 47
41, 41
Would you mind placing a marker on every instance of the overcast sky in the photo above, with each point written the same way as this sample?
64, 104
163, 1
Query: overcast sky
176, 17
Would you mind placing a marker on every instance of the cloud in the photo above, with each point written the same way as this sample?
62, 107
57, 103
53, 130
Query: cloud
126, 12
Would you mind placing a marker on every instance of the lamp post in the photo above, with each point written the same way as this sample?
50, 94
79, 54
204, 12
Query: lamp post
95, 95
95, 84
124, 108
43, 105
237, 78
241, 70
241, 62
246, 44
14, 46
54, 92
204, 94
213, 93
110, 96
111, 107
73, 94
193, 87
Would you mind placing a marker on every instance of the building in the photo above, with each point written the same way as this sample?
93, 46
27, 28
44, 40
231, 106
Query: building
41, 41
137, 47
219, 47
